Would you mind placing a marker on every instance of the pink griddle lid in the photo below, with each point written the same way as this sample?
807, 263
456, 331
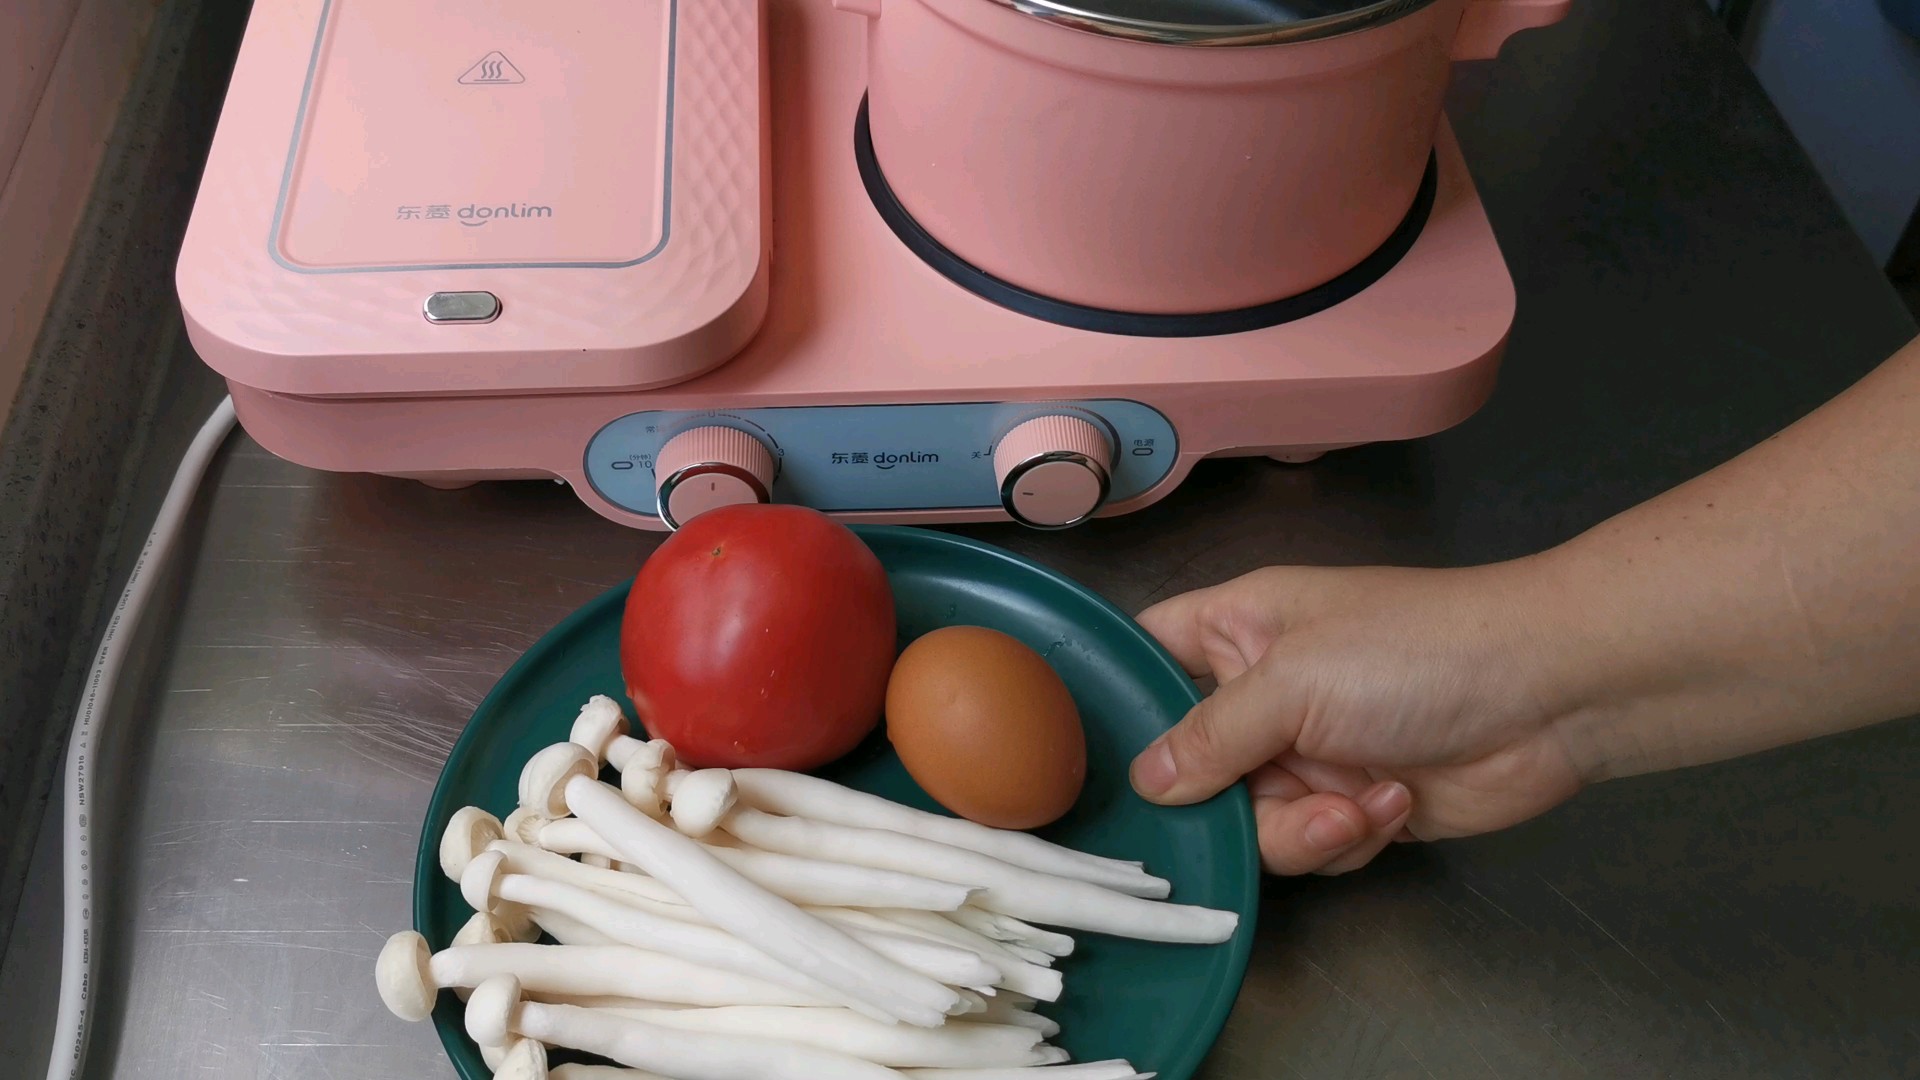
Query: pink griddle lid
474, 196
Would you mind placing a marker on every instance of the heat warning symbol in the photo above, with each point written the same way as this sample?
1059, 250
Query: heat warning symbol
494, 69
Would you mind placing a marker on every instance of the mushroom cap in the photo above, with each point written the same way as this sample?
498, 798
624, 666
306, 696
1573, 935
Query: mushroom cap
524, 1060
490, 1010
701, 799
468, 833
524, 825
543, 783
482, 929
599, 721
404, 976
645, 788
481, 879
656, 754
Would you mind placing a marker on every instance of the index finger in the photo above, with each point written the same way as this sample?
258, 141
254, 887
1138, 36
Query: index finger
1247, 722
1175, 623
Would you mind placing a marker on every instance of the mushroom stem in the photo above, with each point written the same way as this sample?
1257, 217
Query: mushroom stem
1095, 1070
617, 971
803, 881
1009, 1010
942, 961
800, 795
893, 1045
408, 976
1091, 1070
484, 884
630, 888
577, 1071
1011, 931
1006, 970
771, 923
1010, 889
568, 931
940, 927
497, 1012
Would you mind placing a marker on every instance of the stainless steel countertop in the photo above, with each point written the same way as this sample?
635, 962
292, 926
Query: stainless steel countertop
1685, 288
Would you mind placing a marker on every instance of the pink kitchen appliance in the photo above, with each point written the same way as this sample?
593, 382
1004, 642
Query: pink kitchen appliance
899, 260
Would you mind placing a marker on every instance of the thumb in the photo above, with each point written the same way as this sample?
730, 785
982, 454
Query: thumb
1246, 723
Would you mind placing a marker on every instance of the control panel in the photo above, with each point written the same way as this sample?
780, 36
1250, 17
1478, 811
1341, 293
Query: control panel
1049, 464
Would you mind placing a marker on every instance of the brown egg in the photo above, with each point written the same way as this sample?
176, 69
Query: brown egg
987, 728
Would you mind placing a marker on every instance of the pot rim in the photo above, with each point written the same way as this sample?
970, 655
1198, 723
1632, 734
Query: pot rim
1068, 14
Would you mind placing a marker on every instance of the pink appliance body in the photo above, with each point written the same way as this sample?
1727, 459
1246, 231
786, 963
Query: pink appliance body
1144, 177
779, 303
373, 152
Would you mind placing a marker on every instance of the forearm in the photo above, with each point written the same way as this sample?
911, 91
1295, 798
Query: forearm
1773, 599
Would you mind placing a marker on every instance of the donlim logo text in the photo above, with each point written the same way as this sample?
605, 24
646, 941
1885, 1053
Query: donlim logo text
887, 459
475, 215
472, 214
911, 457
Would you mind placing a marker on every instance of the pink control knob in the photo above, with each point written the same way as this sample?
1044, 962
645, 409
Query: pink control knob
707, 467
1053, 471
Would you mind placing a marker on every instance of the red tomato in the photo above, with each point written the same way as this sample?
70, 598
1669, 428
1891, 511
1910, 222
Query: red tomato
759, 636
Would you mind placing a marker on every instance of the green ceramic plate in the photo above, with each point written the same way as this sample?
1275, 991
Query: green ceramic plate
1159, 1006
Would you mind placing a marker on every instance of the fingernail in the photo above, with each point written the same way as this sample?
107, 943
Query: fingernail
1385, 802
1153, 772
1331, 830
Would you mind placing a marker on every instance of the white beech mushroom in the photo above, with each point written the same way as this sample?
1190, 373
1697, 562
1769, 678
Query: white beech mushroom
522, 1059
408, 975
602, 728
1007, 970
1009, 1009
893, 1045
761, 925
946, 961
941, 959
1115, 1069
467, 834
804, 881
1014, 890
1093, 1070
937, 925
497, 1012
576, 1071
700, 799
527, 859
484, 885
599, 721
523, 825
953, 962
1007, 929
800, 795
515, 925
568, 931
511, 923
770, 922
543, 780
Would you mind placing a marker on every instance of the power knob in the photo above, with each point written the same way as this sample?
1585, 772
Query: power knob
1053, 471
710, 467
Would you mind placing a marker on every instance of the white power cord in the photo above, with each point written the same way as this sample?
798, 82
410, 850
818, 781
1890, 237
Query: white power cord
77, 938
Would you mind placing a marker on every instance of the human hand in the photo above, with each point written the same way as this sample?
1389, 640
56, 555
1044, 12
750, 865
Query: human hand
1364, 706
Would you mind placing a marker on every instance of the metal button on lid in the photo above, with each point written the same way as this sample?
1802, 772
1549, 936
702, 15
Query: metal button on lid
474, 306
